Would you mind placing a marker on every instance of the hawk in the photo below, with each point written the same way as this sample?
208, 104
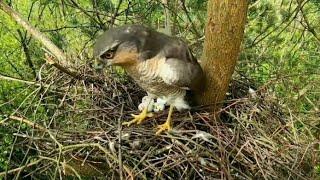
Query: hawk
162, 65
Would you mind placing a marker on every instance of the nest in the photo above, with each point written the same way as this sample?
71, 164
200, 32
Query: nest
82, 136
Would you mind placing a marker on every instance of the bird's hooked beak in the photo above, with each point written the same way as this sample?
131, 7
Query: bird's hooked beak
105, 59
98, 64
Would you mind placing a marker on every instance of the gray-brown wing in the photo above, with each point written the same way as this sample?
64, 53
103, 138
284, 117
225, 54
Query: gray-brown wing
183, 74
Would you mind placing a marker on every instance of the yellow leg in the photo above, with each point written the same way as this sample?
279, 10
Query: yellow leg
139, 118
168, 124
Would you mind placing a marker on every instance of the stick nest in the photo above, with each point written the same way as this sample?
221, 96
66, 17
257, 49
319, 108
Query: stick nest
80, 135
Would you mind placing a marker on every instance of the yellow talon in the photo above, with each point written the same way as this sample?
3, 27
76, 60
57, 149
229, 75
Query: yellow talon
163, 127
138, 119
167, 124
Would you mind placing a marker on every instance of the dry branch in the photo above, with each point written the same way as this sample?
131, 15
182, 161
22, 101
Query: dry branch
60, 60
66, 148
29, 123
20, 168
20, 80
36, 34
251, 143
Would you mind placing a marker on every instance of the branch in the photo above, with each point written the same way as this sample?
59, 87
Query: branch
35, 33
71, 147
115, 14
101, 148
13, 65
167, 23
24, 43
34, 125
68, 27
63, 164
26, 121
62, 67
308, 26
99, 22
20, 168
293, 14
61, 63
257, 40
22, 81
189, 18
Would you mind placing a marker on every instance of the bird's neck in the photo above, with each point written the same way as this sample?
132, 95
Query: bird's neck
132, 70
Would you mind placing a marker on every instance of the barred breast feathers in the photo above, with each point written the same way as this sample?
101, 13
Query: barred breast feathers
156, 77
148, 74
150, 69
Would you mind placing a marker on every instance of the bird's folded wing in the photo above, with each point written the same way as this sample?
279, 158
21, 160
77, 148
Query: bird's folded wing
184, 74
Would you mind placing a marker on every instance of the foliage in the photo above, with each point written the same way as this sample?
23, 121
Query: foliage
280, 55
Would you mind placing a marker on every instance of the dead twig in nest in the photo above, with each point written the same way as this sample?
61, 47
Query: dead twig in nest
255, 138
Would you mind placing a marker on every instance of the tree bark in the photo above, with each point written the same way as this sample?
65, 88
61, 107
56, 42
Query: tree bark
223, 35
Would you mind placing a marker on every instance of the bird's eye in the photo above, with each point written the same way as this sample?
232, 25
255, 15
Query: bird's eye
107, 55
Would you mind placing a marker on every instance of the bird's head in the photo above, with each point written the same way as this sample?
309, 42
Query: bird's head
120, 46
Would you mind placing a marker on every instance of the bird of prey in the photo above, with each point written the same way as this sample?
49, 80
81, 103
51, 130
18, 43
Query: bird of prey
162, 65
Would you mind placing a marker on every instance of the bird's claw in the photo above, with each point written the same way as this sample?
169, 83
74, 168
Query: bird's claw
163, 127
138, 119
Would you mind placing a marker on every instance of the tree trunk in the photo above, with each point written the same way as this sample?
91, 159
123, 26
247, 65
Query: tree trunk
224, 32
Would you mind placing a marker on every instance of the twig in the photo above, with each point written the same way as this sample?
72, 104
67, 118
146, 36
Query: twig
106, 152
61, 63
24, 43
22, 81
101, 24
167, 23
120, 135
67, 27
115, 14
26, 121
32, 124
20, 168
293, 14
307, 25
64, 165
50, 60
194, 28
36, 34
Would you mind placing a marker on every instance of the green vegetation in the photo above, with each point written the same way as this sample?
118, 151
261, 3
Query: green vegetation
280, 55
